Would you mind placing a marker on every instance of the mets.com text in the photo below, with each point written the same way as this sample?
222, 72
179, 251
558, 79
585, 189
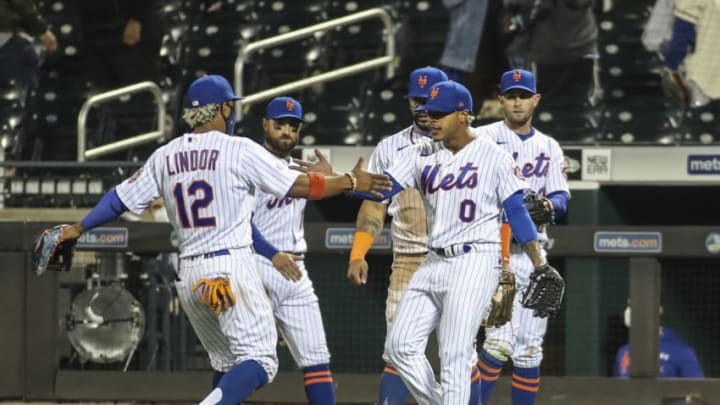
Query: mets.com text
104, 237
628, 242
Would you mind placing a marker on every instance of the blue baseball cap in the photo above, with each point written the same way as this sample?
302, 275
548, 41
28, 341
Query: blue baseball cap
284, 107
422, 79
212, 89
448, 96
518, 79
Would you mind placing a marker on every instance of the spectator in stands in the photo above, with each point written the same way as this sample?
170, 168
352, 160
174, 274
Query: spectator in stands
694, 45
467, 18
122, 40
677, 358
557, 39
18, 60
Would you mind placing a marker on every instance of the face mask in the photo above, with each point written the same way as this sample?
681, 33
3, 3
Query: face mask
160, 215
626, 317
230, 122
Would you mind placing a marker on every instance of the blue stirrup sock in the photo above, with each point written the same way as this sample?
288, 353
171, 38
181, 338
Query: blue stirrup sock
475, 387
525, 385
319, 388
490, 368
237, 384
392, 388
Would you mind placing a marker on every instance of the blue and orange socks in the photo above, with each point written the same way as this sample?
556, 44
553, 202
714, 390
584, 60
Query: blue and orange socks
490, 368
319, 388
475, 387
392, 388
525, 385
237, 384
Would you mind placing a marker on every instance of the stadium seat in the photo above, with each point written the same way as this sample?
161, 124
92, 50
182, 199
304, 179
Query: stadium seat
701, 126
641, 122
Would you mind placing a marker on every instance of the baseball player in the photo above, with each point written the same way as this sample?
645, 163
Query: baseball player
540, 160
206, 178
409, 225
464, 181
280, 224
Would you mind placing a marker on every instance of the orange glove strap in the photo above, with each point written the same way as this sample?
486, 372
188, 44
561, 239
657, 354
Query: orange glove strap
361, 244
317, 186
505, 237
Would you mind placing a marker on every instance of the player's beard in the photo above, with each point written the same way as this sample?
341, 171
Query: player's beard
518, 120
422, 120
282, 145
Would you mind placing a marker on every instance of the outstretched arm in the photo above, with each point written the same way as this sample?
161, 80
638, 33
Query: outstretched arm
315, 186
109, 208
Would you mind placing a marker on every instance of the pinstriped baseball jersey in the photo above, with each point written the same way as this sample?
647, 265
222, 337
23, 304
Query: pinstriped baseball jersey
539, 157
541, 160
280, 220
295, 304
205, 175
409, 223
463, 192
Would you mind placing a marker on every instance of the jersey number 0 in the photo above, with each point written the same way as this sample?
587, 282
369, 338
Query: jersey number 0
202, 192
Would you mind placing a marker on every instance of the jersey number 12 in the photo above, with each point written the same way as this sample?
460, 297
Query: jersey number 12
202, 192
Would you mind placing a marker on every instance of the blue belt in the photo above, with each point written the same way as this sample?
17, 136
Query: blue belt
454, 250
223, 252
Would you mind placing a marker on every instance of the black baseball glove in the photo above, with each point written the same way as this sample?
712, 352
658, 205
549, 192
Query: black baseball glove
545, 292
539, 208
52, 252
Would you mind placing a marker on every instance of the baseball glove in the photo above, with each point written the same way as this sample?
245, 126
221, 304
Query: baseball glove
539, 208
502, 301
215, 293
545, 292
52, 252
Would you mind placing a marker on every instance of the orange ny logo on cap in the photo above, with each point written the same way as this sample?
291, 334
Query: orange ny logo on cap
517, 76
289, 105
422, 81
434, 92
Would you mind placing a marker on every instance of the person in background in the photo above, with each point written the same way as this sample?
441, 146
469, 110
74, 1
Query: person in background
467, 18
694, 47
19, 61
677, 358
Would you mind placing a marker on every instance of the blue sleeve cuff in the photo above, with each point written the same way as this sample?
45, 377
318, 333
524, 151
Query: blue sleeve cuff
523, 228
261, 245
396, 188
683, 37
559, 200
109, 208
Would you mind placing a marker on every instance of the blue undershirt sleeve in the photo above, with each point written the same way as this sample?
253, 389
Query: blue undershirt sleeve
261, 245
523, 228
109, 208
396, 188
559, 200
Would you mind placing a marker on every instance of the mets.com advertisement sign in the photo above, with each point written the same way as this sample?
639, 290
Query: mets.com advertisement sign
626, 242
342, 238
104, 238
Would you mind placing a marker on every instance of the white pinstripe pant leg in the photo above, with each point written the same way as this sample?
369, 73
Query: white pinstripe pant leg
417, 315
528, 350
403, 268
470, 281
246, 331
297, 312
529, 331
